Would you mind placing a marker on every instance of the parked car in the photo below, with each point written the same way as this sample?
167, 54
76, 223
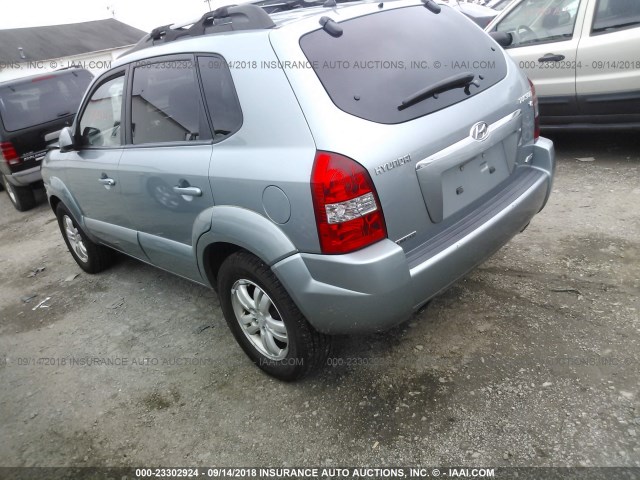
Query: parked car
30, 108
256, 155
583, 57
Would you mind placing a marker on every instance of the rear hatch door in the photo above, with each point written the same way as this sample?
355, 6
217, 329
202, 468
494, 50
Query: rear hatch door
427, 102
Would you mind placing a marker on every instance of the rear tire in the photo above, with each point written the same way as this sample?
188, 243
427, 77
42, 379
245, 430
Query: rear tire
265, 322
90, 256
22, 198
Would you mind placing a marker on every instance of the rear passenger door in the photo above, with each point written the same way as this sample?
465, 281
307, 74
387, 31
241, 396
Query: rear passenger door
608, 80
164, 170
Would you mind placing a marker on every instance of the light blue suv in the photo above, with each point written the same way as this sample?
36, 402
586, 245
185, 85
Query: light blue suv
327, 170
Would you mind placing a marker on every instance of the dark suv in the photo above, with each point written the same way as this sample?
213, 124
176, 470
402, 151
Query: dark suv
30, 108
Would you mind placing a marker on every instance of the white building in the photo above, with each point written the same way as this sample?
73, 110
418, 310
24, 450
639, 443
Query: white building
91, 45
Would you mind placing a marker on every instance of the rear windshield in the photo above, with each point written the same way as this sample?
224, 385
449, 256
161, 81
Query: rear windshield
42, 99
385, 58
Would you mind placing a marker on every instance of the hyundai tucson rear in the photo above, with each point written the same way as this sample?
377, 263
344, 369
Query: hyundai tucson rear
353, 162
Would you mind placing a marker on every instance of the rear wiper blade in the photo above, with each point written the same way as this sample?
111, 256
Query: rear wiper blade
461, 80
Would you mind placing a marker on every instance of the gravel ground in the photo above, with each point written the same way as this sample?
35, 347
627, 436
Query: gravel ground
531, 360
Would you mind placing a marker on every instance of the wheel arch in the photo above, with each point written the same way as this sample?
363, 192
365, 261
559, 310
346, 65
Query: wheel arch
59, 193
54, 201
235, 229
214, 255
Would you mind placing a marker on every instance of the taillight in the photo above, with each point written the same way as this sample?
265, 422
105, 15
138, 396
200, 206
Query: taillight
348, 213
536, 112
9, 154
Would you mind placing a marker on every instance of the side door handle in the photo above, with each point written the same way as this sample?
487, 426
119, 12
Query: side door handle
188, 191
551, 57
106, 181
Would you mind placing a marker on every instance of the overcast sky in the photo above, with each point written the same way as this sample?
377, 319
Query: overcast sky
142, 14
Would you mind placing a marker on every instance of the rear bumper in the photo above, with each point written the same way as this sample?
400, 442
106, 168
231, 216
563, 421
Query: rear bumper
25, 177
380, 286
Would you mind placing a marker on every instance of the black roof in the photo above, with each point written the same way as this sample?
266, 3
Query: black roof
57, 41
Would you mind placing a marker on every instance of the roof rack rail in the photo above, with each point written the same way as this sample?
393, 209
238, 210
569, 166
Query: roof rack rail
223, 19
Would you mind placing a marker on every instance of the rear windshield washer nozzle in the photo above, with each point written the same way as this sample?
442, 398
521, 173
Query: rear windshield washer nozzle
331, 26
432, 6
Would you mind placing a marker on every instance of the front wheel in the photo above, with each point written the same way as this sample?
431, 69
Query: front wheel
90, 256
265, 322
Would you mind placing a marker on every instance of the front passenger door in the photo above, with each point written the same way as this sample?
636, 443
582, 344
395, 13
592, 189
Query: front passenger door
93, 169
545, 35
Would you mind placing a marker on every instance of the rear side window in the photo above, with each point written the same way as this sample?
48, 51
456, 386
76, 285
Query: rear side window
166, 105
614, 15
387, 57
42, 99
220, 96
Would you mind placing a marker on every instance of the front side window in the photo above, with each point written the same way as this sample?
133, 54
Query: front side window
614, 15
166, 105
540, 21
100, 121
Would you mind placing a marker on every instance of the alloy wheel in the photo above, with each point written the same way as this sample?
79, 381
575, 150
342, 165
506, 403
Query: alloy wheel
259, 319
75, 240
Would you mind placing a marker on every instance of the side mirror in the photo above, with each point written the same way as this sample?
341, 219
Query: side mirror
504, 39
65, 140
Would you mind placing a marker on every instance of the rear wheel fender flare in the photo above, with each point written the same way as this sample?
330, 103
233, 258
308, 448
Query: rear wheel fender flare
246, 230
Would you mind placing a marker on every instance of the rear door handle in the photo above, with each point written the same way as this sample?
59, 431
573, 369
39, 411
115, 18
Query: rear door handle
551, 57
189, 191
106, 181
